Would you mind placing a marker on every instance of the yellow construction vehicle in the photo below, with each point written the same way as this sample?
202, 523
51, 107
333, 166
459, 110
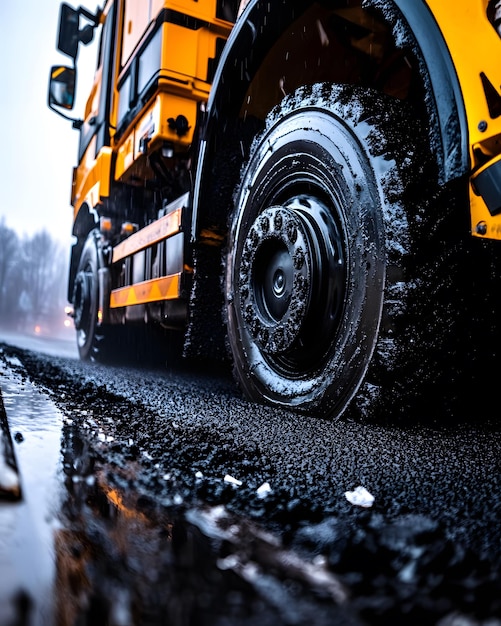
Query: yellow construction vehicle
314, 184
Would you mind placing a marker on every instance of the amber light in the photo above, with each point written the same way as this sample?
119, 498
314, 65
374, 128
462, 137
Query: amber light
128, 228
105, 224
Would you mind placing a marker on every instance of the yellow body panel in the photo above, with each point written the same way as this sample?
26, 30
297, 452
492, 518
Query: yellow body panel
181, 72
150, 129
182, 86
137, 17
92, 178
475, 47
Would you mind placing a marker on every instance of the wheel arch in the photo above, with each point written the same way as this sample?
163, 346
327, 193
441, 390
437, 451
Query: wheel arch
445, 106
256, 33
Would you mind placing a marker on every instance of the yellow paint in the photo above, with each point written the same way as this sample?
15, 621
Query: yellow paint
182, 87
475, 47
468, 19
152, 125
92, 177
136, 19
58, 71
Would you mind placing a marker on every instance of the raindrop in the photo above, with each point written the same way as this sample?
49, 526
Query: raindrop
324, 39
281, 84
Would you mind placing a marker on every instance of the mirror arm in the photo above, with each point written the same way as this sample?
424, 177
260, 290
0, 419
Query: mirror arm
75, 123
94, 18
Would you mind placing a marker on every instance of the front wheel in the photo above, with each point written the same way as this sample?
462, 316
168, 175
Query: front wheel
319, 271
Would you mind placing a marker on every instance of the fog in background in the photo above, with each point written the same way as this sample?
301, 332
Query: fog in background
39, 150
32, 284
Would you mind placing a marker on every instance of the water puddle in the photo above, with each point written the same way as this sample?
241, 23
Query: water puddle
87, 544
78, 549
27, 526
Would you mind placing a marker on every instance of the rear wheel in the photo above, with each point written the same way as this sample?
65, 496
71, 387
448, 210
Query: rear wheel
321, 272
107, 343
91, 338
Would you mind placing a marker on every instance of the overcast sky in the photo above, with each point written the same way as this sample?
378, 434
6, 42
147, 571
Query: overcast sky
38, 148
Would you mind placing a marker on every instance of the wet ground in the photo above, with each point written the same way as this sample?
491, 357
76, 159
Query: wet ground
162, 497
29, 514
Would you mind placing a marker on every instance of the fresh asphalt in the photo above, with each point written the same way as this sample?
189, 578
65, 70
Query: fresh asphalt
179, 439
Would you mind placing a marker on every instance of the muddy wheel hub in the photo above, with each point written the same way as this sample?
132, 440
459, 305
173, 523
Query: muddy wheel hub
276, 278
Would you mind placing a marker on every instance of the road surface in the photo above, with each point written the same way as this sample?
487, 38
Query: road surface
163, 497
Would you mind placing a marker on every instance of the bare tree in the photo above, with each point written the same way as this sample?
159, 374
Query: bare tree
33, 275
9, 247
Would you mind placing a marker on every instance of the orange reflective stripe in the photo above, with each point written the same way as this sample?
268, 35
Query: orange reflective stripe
157, 289
166, 226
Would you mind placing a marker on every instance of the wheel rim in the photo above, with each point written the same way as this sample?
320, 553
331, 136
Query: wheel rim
82, 303
292, 283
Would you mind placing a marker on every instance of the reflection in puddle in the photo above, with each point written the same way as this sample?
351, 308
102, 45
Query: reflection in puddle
27, 567
76, 550
122, 560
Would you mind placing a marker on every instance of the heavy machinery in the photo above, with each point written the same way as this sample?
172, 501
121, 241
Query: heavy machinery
314, 184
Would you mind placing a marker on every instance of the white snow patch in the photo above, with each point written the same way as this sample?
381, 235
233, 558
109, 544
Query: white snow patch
232, 481
360, 497
13, 360
264, 490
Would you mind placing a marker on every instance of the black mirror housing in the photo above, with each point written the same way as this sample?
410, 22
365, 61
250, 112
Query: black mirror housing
70, 34
86, 35
69, 24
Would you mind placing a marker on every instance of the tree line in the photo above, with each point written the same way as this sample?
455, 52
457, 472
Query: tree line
33, 281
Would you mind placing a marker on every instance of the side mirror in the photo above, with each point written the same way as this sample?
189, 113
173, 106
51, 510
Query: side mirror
62, 86
69, 23
70, 34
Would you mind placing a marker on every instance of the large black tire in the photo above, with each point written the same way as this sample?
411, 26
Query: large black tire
91, 337
328, 294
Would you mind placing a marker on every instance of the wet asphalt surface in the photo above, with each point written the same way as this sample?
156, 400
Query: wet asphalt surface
174, 501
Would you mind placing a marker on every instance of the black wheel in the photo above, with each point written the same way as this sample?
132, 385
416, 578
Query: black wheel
106, 343
90, 336
321, 274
